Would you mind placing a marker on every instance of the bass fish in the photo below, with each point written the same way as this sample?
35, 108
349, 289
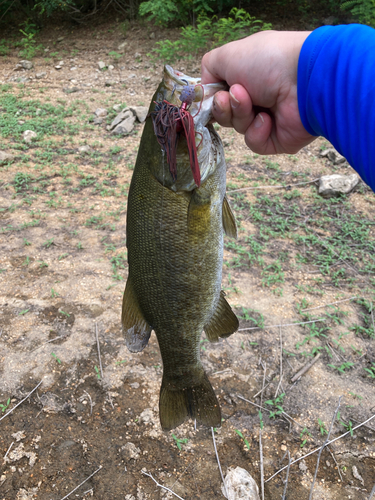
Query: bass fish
177, 213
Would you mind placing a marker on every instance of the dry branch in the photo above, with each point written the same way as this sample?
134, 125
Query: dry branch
218, 462
160, 485
288, 186
325, 444
24, 399
305, 369
83, 482
278, 326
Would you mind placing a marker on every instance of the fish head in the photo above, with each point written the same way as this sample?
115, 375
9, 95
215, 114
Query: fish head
187, 93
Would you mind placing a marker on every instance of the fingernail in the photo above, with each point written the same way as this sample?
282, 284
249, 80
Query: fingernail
233, 101
258, 122
216, 105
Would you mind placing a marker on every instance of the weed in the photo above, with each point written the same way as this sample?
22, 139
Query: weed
322, 427
55, 356
179, 441
25, 311
49, 243
97, 371
26, 262
243, 439
276, 403
341, 368
371, 370
305, 434
54, 293
3, 407
63, 256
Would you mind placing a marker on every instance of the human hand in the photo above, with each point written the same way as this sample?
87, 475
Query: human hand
262, 104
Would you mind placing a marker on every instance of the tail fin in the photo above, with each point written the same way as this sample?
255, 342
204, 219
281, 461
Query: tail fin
197, 402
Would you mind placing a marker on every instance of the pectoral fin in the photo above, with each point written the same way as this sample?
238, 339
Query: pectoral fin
135, 328
229, 221
223, 322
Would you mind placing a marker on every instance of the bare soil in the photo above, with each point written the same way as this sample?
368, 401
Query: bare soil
63, 269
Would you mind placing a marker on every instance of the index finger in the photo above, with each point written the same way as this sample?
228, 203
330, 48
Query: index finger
214, 65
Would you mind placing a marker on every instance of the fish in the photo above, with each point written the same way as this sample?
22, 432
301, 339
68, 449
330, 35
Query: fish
176, 218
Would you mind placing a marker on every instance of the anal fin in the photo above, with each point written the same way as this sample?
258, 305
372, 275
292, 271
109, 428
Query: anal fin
223, 322
134, 326
229, 221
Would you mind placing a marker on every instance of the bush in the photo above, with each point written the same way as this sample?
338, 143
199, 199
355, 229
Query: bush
209, 33
363, 10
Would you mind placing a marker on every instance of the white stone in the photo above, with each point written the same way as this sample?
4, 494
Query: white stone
5, 157
334, 185
125, 113
125, 127
29, 136
101, 65
240, 485
100, 112
140, 112
26, 64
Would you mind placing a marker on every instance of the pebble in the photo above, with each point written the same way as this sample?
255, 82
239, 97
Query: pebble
26, 64
5, 157
101, 65
240, 485
41, 75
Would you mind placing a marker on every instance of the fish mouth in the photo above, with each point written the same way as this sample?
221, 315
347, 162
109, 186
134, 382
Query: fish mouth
201, 103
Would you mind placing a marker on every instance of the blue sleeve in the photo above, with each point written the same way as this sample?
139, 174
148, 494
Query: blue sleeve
336, 92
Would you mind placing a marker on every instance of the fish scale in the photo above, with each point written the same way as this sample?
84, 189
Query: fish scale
175, 254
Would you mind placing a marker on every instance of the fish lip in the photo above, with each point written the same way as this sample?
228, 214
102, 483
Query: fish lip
181, 79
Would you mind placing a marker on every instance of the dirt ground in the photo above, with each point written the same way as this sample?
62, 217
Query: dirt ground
299, 258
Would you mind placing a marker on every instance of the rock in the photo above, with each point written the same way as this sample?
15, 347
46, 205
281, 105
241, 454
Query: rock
357, 475
117, 107
125, 113
58, 67
5, 158
240, 485
60, 39
329, 20
129, 497
71, 90
334, 185
26, 64
41, 75
133, 75
121, 47
333, 155
73, 68
29, 136
147, 416
152, 35
130, 451
100, 112
140, 112
110, 83
111, 67
137, 55
98, 121
29, 494
61, 63
125, 127
18, 436
101, 65
84, 149
134, 385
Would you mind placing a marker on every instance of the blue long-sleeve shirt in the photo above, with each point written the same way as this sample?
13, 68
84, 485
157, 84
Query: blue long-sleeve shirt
336, 92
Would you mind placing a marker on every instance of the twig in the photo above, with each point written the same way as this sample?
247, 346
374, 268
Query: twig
259, 392
48, 341
287, 476
90, 401
277, 326
24, 399
218, 462
288, 186
269, 411
98, 346
322, 448
337, 465
305, 368
372, 493
281, 362
6, 454
331, 304
264, 380
317, 449
83, 482
261, 463
160, 485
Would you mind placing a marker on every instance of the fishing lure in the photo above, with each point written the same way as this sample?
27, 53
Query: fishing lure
170, 122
